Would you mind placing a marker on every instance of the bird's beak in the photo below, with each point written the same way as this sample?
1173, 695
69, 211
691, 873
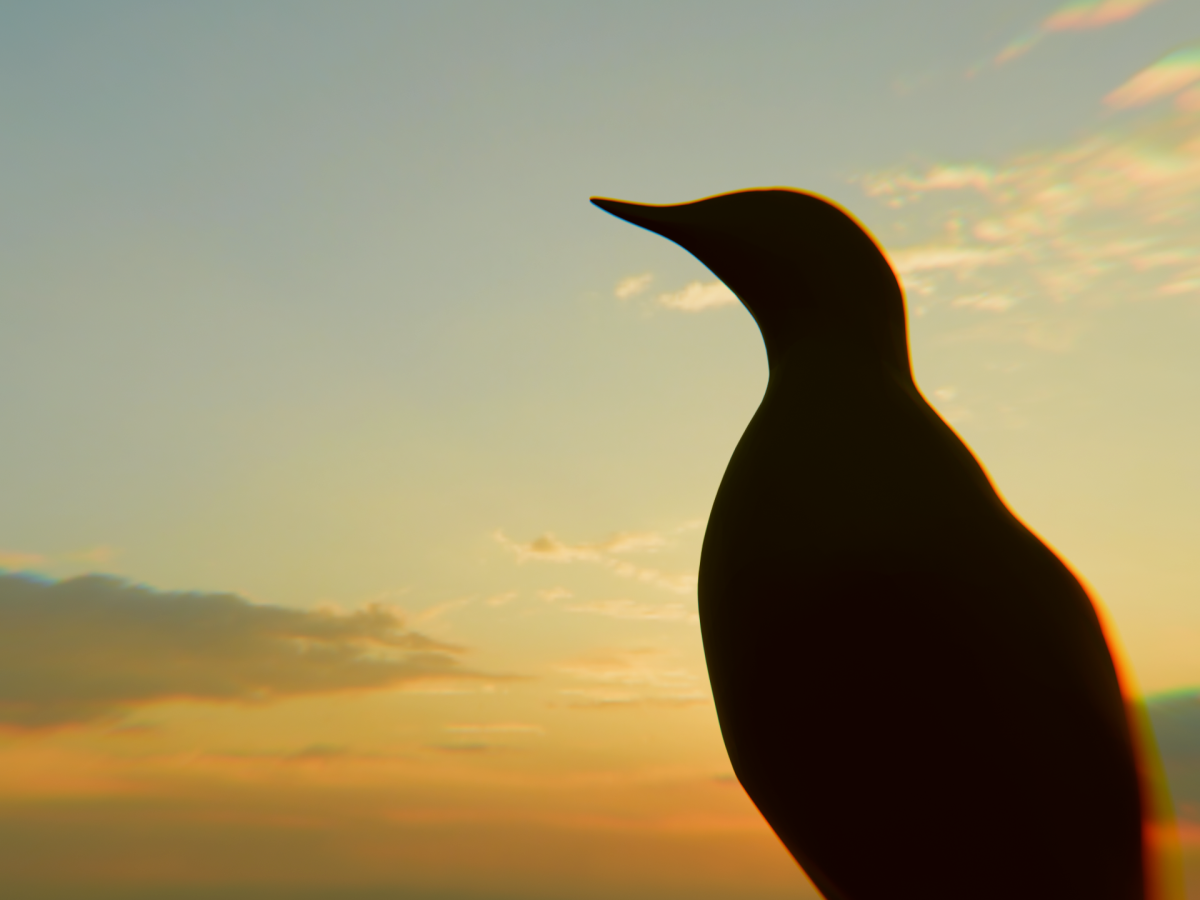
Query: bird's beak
674, 222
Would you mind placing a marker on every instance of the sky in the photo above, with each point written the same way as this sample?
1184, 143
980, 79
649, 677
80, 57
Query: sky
355, 467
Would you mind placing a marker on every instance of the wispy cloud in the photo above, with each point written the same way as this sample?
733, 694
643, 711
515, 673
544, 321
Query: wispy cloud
696, 296
1030, 242
990, 302
1083, 15
92, 648
496, 728
699, 296
630, 609
19, 561
958, 258
633, 285
548, 548
22, 561
631, 677
1170, 74
438, 610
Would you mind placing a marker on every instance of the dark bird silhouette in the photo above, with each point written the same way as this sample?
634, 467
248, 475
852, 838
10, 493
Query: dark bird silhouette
914, 690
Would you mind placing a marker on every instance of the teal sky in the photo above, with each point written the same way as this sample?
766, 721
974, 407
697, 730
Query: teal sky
305, 302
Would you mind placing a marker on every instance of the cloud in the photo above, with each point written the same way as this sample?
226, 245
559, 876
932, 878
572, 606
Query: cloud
92, 648
1035, 240
15, 560
479, 737
629, 609
1083, 15
310, 753
497, 728
548, 548
699, 296
631, 677
1019, 47
1170, 74
440, 609
989, 302
898, 187
1087, 14
925, 259
19, 561
633, 285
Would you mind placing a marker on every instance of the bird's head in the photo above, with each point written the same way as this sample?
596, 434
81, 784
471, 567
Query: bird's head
812, 277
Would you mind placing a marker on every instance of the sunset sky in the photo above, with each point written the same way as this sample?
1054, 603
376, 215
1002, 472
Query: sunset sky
355, 467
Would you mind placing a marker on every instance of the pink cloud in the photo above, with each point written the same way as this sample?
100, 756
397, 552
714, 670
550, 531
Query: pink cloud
1094, 14
1170, 74
1079, 16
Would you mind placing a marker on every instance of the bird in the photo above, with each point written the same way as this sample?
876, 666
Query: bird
915, 691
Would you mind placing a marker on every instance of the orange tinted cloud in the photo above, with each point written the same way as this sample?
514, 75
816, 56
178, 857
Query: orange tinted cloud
18, 561
1094, 14
630, 609
89, 648
548, 548
626, 677
1080, 16
1002, 251
1170, 74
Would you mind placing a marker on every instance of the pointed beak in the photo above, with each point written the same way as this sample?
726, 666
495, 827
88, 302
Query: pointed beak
700, 227
670, 221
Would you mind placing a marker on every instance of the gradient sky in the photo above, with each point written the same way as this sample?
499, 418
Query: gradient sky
394, 454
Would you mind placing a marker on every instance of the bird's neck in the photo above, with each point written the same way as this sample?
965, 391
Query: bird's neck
838, 363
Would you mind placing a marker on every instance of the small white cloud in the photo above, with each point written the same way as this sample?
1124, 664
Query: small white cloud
945, 394
986, 302
900, 187
501, 599
550, 595
633, 285
924, 259
698, 296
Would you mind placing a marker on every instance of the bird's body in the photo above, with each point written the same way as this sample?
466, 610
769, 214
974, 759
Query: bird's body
914, 690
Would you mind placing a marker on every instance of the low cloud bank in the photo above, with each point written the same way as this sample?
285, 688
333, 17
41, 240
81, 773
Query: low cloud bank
91, 648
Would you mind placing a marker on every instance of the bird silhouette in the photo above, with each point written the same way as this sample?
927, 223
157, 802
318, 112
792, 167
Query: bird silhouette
915, 691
